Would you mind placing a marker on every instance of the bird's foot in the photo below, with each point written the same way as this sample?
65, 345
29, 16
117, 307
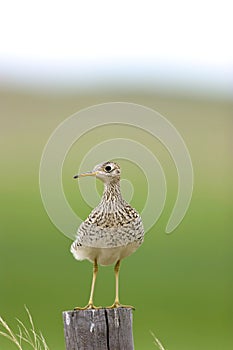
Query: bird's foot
117, 305
89, 306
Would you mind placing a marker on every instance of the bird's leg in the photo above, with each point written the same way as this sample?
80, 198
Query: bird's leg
116, 303
90, 304
116, 270
95, 270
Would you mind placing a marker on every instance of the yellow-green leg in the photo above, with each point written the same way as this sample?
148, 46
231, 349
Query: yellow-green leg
90, 304
116, 303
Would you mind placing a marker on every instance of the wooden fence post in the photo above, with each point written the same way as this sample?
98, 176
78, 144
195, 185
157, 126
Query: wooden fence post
101, 329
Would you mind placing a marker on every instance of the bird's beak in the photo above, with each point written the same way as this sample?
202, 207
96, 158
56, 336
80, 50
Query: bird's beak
89, 173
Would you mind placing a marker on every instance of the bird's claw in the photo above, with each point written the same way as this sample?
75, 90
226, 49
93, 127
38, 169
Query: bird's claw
89, 306
117, 305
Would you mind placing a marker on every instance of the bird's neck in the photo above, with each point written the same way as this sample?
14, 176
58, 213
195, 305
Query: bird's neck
112, 192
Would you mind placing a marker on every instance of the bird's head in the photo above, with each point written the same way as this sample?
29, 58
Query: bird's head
108, 172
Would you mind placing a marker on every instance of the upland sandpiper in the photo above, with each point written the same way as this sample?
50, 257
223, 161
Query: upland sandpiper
112, 231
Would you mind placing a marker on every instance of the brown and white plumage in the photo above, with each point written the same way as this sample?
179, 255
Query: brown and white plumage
114, 229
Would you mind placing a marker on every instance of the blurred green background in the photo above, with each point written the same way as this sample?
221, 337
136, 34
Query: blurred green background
180, 284
59, 57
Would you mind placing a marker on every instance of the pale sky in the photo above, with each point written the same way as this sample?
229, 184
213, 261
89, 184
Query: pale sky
88, 43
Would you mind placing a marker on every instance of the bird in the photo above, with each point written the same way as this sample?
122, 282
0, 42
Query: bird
112, 231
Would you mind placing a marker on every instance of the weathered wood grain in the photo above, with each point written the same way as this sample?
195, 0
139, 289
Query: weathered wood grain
102, 329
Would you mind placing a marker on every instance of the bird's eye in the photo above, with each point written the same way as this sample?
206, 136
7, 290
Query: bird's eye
108, 168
